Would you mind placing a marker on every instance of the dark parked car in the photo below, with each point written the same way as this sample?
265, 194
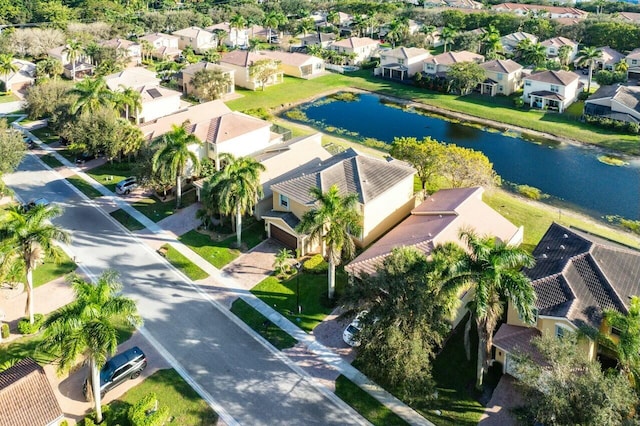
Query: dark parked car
127, 365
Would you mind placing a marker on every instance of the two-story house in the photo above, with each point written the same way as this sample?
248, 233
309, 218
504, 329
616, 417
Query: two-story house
608, 58
554, 90
132, 50
633, 63
504, 77
82, 66
542, 11
165, 46
241, 61
323, 40
384, 190
553, 45
576, 278
439, 65
197, 38
510, 41
186, 75
361, 47
618, 102
401, 63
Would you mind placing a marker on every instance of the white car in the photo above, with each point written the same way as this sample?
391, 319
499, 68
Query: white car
127, 185
350, 333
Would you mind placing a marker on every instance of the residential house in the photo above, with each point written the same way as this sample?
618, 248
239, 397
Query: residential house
131, 77
504, 77
132, 50
629, 17
83, 65
608, 59
197, 38
165, 46
22, 78
554, 90
553, 46
297, 64
240, 61
552, 12
401, 63
186, 75
438, 220
60, 53
220, 130
439, 65
633, 62
323, 40
618, 102
510, 41
384, 190
577, 276
26, 396
237, 37
361, 47
464, 4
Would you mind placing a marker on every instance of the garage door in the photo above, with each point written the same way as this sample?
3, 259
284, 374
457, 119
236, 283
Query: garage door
284, 237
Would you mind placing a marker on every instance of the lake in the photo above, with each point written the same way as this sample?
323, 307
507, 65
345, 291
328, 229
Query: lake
571, 175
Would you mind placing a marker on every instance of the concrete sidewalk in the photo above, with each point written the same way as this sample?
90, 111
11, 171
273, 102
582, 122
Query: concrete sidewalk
221, 287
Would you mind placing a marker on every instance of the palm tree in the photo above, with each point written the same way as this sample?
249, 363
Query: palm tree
492, 269
398, 30
7, 67
211, 84
564, 54
333, 18
306, 25
146, 49
282, 262
492, 44
523, 47
332, 223
49, 68
447, 35
428, 31
92, 50
238, 22
535, 54
73, 49
211, 55
273, 20
130, 100
174, 155
31, 234
93, 94
236, 188
588, 56
87, 327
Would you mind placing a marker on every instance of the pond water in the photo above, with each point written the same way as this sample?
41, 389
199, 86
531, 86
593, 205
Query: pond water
571, 175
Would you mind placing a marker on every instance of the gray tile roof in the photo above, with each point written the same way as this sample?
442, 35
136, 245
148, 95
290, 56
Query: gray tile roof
352, 172
627, 95
288, 217
578, 275
501, 65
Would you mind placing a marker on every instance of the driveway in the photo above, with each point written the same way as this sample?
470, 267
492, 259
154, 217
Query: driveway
505, 397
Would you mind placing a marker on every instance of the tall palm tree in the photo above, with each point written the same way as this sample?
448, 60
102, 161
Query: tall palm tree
31, 234
86, 328
93, 94
535, 54
174, 155
306, 25
492, 269
238, 22
332, 223
48, 68
236, 188
564, 54
333, 18
7, 67
447, 35
211, 84
273, 20
92, 50
130, 100
588, 56
523, 47
398, 30
491, 43
73, 49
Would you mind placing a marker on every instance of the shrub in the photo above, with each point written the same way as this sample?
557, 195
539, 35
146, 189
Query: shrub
631, 225
25, 327
369, 65
519, 102
583, 95
296, 115
147, 413
261, 113
4, 331
633, 127
316, 264
529, 192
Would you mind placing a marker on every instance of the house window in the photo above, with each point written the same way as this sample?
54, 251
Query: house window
401, 61
284, 201
555, 89
500, 88
634, 62
562, 330
500, 75
383, 58
430, 67
527, 83
616, 331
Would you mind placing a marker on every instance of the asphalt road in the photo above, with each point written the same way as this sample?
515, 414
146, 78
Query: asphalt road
251, 383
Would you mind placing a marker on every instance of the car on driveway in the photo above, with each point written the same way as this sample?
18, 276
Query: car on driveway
36, 202
127, 185
127, 365
350, 334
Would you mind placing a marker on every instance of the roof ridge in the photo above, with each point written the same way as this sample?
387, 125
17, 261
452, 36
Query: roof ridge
607, 281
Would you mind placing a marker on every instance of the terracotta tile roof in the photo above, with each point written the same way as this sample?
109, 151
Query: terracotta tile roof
578, 275
515, 339
501, 65
561, 77
242, 58
355, 42
437, 220
449, 58
609, 55
26, 397
118, 43
559, 42
536, 7
630, 16
194, 114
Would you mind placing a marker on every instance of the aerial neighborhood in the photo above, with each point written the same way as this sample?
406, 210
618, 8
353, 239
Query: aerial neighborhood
336, 212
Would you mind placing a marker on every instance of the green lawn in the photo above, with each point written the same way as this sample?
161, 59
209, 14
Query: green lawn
219, 253
157, 210
51, 270
294, 90
185, 405
45, 135
365, 404
127, 220
187, 267
7, 97
110, 174
84, 186
257, 322
281, 296
51, 161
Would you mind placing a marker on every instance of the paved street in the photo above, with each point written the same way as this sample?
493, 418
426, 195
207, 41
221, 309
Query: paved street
240, 375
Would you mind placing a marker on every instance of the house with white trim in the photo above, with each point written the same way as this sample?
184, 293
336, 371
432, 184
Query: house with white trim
554, 90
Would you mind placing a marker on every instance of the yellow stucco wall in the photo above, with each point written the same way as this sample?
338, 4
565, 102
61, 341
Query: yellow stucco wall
294, 207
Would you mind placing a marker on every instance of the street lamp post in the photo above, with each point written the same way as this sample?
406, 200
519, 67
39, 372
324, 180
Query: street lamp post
298, 268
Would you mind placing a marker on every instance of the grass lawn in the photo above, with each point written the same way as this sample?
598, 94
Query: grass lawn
294, 90
51, 161
187, 267
84, 186
45, 135
219, 253
127, 220
110, 174
157, 210
185, 405
256, 321
7, 97
365, 404
536, 219
281, 296
51, 270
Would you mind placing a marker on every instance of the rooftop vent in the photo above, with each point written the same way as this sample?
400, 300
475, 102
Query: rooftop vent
544, 255
565, 236
562, 247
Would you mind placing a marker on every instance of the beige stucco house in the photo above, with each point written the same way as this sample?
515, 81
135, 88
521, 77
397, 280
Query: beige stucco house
504, 77
297, 64
439, 64
576, 277
83, 66
510, 41
554, 90
633, 63
552, 12
132, 50
199, 39
553, 46
240, 61
401, 63
165, 46
384, 190
362, 47
186, 75
20, 79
